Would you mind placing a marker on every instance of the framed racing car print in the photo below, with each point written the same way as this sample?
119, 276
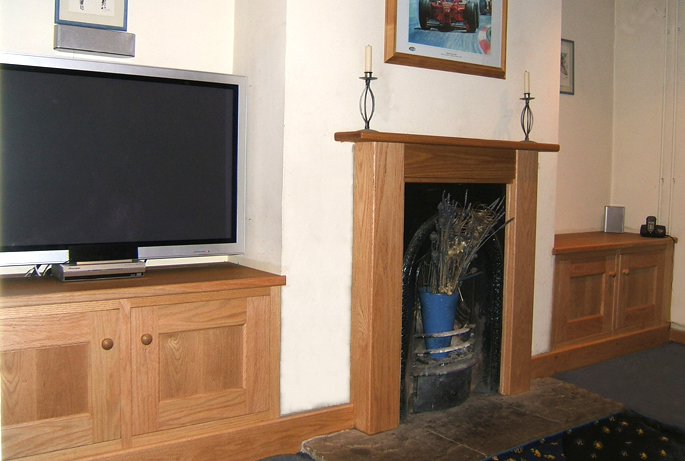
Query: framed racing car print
467, 36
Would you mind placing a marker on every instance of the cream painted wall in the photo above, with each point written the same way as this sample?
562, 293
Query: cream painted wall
322, 88
585, 119
304, 86
649, 118
196, 35
640, 60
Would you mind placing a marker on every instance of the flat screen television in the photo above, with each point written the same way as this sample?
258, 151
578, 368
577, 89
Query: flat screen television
107, 161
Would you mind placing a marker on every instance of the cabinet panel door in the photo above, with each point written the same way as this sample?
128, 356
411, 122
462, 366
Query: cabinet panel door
202, 364
583, 298
60, 387
641, 294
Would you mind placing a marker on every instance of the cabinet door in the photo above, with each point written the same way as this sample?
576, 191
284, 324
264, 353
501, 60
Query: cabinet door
60, 380
199, 359
583, 296
641, 284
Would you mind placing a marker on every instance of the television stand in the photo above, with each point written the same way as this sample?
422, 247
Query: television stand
96, 270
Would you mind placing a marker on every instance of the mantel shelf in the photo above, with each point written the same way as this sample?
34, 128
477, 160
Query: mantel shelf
379, 136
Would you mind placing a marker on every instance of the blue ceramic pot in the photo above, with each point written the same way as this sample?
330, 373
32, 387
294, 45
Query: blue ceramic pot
438, 311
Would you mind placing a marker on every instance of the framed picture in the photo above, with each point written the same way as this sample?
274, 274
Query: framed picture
567, 67
468, 37
103, 14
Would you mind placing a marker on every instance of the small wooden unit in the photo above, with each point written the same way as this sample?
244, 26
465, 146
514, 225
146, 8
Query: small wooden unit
612, 295
105, 367
605, 284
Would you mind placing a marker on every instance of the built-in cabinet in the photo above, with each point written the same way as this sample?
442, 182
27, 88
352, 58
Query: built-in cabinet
608, 284
110, 366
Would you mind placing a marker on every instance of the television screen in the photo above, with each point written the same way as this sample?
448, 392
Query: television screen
110, 156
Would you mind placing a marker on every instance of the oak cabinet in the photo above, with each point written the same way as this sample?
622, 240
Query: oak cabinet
606, 284
99, 367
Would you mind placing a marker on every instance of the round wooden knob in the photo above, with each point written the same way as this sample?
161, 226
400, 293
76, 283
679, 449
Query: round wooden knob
626, 271
146, 339
107, 344
612, 274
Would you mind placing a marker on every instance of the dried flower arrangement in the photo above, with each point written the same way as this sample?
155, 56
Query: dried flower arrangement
460, 231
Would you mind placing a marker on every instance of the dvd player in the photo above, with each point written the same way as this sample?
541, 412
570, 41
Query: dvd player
68, 272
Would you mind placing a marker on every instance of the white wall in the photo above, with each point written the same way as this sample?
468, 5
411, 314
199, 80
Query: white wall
585, 118
649, 119
323, 66
303, 72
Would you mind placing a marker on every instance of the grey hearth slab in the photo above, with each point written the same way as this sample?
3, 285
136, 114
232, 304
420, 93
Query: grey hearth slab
482, 426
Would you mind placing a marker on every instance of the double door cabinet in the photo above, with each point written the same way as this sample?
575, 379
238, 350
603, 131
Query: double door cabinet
99, 367
607, 284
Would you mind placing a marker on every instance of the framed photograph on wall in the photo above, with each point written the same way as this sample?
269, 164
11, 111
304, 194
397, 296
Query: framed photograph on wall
468, 37
567, 67
102, 14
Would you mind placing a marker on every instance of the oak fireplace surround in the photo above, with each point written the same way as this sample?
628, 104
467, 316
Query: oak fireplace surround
383, 162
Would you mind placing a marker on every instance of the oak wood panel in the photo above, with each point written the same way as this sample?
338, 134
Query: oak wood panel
145, 371
377, 285
519, 277
404, 138
199, 278
223, 440
46, 436
257, 378
201, 408
60, 386
274, 362
641, 293
583, 297
195, 362
209, 314
597, 241
105, 387
598, 350
448, 164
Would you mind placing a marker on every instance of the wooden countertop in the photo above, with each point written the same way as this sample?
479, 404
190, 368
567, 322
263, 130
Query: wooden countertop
592, 241
379, 136
156, 281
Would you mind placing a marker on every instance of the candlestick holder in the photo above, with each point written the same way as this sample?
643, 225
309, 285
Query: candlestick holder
364, 100
526, 116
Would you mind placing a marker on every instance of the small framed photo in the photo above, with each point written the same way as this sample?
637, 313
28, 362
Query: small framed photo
102, 14
567, 67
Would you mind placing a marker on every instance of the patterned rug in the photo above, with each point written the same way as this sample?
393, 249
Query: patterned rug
625, 435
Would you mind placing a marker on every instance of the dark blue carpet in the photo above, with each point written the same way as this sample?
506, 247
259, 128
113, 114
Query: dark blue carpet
651, 382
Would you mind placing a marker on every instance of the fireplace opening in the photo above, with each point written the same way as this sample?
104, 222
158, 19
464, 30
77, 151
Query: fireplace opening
440, 381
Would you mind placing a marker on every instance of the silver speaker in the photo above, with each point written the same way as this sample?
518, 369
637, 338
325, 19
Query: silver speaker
614, 217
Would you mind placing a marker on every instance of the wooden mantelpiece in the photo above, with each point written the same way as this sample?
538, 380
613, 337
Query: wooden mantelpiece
383, 163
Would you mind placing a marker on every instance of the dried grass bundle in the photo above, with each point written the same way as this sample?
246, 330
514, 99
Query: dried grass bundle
460, 231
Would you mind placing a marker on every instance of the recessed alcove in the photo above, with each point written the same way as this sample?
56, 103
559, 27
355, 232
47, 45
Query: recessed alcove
383, 164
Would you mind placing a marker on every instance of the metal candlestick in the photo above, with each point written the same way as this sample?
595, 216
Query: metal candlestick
364, 100
526, 115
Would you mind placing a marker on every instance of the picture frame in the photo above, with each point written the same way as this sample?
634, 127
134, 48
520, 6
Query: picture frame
567, 67
101, 14
417, 34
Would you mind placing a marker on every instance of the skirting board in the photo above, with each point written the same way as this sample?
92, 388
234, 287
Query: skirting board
580, 355
677, 334
255, 441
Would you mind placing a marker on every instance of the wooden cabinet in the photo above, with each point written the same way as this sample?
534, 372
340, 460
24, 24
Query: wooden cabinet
104, 366
607, 284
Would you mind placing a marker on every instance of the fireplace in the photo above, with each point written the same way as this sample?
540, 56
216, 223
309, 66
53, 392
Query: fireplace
383, 162
440, 381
